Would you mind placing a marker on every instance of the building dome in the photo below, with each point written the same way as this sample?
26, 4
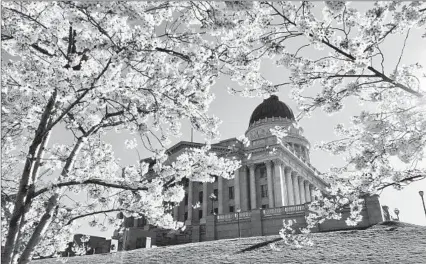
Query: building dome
271, 107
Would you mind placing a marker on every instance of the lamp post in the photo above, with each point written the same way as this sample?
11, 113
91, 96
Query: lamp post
238, 221
212, 198
397, 213
423, 201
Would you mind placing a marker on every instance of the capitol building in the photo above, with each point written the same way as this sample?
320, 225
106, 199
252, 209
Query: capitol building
274, 183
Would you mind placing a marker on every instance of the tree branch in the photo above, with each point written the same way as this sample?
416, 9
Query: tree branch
408, 179
41, 50
174, 53
90, 181
93, 213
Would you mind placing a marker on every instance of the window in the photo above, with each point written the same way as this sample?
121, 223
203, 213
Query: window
215, 178
231, 209
264, 206
186, 199
185, 216
215, 192
264, 190
200, 197
262, 172
216, 211
231, 192
200, 214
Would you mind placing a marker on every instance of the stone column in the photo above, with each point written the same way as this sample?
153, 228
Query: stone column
190, 191
252, 187
220, 194
296, 188
307, 154
298, 150
205, 200
302, 190
135, 222
176, 212
302, 152
289, 185
270, 184
279, 186
237, 198
307, 192
181, 209
311, 191
244, 190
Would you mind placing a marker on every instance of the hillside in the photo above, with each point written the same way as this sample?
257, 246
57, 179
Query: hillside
390, 242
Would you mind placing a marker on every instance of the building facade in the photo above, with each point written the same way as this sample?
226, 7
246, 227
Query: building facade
275, 182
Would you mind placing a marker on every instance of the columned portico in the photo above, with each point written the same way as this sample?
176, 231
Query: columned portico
270, 184
252, 187
289, 185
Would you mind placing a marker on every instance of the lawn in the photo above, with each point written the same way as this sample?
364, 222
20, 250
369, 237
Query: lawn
391, 242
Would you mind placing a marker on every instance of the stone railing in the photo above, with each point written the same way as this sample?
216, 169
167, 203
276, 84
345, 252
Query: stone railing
285, 210
233, 216
292, 209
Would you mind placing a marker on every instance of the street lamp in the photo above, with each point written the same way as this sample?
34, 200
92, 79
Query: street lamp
423, 200
212, 198
238, 219
397, 213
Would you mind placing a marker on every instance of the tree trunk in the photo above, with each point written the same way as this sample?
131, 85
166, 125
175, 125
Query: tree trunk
28, 200
46, 219
23, 184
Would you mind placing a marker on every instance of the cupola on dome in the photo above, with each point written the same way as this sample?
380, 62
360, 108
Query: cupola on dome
271, 107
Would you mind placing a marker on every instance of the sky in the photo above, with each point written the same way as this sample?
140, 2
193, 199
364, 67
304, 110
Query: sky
235, 112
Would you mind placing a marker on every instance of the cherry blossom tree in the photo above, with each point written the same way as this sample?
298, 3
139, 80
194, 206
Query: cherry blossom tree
332, 56
143, 67
83, 69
